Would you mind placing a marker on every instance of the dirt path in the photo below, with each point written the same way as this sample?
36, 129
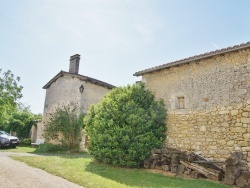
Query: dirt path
15, 174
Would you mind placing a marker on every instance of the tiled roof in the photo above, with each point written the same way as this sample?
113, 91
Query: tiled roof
194, 58
85, 78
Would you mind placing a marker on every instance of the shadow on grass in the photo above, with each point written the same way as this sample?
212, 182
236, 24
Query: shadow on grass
61, 154
24, 150
141, 178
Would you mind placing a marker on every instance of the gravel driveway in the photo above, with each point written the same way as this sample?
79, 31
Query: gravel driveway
15, 174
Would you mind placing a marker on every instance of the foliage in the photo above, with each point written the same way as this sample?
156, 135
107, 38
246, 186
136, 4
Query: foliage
10, 92
26, 141
125, 126
48, 147
65, 126
21, 121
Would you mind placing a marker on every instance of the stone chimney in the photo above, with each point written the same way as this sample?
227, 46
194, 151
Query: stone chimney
74, 64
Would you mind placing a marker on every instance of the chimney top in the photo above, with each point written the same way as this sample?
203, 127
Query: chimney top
74, 63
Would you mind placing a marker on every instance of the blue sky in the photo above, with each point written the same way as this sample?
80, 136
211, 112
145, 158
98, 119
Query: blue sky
115, 38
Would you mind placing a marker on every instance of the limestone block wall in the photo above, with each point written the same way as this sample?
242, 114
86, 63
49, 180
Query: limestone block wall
214, 118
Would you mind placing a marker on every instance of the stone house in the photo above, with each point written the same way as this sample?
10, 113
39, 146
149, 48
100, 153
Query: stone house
208, 101
68, 88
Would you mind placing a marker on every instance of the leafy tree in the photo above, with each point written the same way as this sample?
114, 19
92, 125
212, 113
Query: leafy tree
125, 126
10, 92
65, 126
21, 121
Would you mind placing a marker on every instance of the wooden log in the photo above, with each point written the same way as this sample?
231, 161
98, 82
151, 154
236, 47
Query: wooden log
166, 159
211, 174
190, 156
229, 180
187, 172
233, 170
174, 169
208, 162
157, 163
157, 156
166, 162
195, 174
175, 159
242, 180
234, 159
147, 166
212, 165
166, 167
180, 169
156, 151
167, 154
158, 167
148, 161
183, 156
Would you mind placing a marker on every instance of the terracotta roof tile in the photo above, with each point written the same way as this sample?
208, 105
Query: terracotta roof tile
193, 58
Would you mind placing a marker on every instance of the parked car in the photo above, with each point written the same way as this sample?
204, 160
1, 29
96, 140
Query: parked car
6, 140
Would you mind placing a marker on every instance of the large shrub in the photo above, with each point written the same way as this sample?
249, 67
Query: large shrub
125, 126
65, 126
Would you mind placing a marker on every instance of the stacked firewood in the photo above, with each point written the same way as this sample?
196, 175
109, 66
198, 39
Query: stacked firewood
234, 174
189, 163
181, 162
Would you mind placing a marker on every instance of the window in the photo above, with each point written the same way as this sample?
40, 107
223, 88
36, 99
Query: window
180, 102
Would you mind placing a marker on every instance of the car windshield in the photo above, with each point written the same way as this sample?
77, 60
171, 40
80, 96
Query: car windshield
3, 132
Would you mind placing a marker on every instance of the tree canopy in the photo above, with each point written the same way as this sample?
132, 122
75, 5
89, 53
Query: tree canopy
125, 126
21, 121
10, 92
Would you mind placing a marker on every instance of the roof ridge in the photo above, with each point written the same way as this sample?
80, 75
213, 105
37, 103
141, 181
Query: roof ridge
193, 58
92, 80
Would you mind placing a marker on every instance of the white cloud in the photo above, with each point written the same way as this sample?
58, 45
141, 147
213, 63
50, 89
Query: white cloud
147, 29
216, 46
111, 24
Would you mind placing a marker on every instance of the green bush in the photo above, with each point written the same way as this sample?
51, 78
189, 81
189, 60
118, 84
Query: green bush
64, 121
47, 147
26, 141
21, 121
125, 126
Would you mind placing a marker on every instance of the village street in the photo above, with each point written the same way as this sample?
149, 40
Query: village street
15, 174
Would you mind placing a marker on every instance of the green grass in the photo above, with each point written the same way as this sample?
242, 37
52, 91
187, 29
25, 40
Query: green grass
83, 170
34, 149
20, 149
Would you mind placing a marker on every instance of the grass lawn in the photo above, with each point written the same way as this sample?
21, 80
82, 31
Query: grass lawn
20, 149
83, 170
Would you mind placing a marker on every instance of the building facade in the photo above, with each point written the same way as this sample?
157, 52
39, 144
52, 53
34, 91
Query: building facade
71, 88
208, 101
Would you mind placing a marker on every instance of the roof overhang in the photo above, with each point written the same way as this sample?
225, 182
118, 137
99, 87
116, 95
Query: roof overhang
194, 58
81, 77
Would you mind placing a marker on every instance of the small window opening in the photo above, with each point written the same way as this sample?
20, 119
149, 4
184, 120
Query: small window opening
181, 102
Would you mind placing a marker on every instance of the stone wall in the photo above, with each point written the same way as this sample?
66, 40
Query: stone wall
64, 91
214, 118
